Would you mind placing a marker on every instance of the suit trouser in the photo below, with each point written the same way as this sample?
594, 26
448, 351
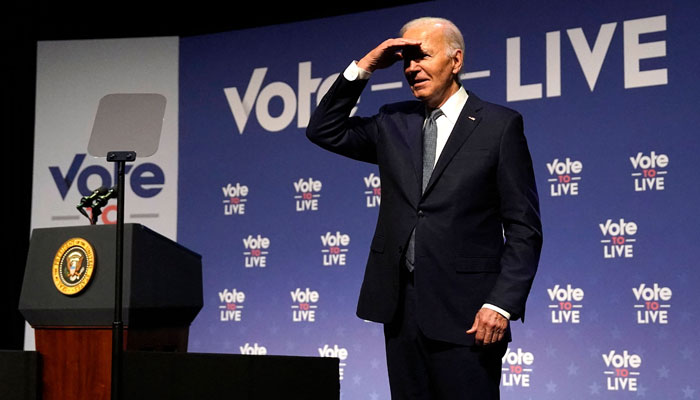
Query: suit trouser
421, 368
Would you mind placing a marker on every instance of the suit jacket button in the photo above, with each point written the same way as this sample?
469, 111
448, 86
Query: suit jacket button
420, 213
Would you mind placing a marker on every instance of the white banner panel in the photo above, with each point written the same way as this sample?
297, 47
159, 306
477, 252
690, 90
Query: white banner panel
72, 77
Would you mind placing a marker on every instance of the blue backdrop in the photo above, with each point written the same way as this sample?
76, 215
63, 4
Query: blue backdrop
609, 95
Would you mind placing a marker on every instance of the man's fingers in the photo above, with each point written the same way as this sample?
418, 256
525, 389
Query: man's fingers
499, 337
489, 333
386, 54
474, 327
480, 332
400, 43
478, 329
489, 327
493, 337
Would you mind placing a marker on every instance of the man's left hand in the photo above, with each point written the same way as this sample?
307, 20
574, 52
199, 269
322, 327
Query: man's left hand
489, 327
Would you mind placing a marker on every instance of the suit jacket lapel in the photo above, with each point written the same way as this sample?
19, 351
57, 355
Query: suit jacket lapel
468, 120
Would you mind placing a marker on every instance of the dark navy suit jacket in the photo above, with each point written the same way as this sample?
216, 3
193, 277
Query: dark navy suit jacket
478, 229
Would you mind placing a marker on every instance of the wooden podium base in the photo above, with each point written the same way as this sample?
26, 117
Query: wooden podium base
77, 361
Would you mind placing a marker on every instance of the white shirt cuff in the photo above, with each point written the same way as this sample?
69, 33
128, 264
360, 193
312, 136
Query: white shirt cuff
497, 309
353, 72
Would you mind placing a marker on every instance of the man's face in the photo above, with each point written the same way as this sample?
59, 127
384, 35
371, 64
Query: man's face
430, 70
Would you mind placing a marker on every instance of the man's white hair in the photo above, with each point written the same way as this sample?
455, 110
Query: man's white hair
453, 36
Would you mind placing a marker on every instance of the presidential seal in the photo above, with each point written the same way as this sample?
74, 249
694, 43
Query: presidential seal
73, 266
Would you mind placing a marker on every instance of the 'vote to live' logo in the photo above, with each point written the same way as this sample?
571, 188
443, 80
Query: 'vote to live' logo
231, 305
335, 248
256, 251
373, 190
649, 171
307, 194
621, 370
340, 353
566, 307
652, 303
565, 177
254, 350
517, 367
618, 242
234, 199
304, 305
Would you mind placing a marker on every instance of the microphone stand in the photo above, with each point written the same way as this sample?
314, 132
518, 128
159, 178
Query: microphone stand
119, 157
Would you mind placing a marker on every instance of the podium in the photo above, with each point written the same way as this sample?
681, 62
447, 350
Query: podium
73, 317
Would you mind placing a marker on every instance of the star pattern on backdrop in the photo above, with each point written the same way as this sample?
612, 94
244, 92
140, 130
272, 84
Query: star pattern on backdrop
641, 391
594, 352
663, 372
572, 369
687, 353
688, 392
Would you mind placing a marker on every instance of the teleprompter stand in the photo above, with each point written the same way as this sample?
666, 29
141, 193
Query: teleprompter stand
119, 157
124, 121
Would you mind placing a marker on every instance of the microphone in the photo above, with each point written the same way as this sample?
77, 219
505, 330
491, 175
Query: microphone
84, 201
103, 198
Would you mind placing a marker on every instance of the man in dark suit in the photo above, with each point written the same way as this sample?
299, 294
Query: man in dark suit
458, 237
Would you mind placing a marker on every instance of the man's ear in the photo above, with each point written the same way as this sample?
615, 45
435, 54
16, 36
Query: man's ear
458, 60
